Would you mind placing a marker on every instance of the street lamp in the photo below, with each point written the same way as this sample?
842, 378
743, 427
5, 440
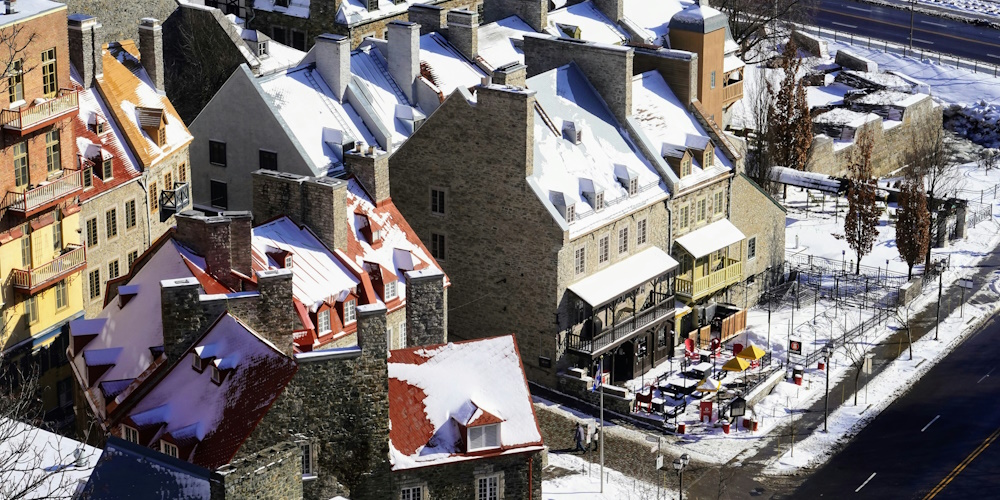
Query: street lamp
912, 4
827, 352
679, 465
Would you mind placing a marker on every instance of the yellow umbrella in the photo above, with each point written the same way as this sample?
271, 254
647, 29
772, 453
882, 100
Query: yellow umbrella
736, 365
752, 353
709, 384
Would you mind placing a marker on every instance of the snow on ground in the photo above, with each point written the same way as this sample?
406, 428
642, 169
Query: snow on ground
584, 481
985, 7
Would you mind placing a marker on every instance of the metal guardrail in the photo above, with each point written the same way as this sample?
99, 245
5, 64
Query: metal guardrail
31, 199
31, 279
621, 329
26, 116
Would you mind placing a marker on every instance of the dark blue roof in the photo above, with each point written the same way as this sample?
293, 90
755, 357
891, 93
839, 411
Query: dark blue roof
128, 470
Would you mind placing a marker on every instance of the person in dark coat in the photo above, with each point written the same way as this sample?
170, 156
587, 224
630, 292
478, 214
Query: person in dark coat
578, 436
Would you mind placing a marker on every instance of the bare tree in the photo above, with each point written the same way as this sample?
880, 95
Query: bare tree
759, 102
912, 222
988, 158
930, 157
789, 124
757, 25
856, 350
861, 221
14, 42
902, 317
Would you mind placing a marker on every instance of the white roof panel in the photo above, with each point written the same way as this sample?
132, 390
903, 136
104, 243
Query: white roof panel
618, 278
715, 236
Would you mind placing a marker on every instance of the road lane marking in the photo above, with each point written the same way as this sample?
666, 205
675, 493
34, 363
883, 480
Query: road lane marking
960, 467
907, 26
994, 56
929, 423
845, 25
939, 25
859, 8
923, 41
984, 376
864, 483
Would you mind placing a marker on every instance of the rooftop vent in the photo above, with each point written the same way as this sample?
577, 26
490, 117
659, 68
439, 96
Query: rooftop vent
572, 132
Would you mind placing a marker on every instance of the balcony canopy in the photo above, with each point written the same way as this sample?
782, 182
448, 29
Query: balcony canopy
715, 236
616, 279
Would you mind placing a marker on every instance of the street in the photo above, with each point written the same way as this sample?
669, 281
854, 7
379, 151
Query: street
936, 438
929, 32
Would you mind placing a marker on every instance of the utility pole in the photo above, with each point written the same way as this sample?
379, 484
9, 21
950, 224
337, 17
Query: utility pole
938, 322
912, 4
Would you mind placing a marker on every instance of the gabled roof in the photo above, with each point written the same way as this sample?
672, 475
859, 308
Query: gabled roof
500, 41
125, 88
435, 389
371, 72
448, 67
652, 17
34, 455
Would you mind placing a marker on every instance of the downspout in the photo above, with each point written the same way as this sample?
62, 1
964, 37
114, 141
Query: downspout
531, 481
145, 201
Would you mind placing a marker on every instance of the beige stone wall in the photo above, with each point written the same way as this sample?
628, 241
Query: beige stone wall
175, 164
762, 220
691, 198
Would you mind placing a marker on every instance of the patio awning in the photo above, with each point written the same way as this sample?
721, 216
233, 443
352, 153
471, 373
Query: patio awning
616, 279
715, 236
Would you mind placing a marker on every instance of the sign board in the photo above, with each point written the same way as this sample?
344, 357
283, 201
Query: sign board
965, 283
738, 408
794, 346
659, 461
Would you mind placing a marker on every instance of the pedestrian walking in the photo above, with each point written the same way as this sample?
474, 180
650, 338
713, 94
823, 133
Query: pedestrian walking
595, 438
578, 436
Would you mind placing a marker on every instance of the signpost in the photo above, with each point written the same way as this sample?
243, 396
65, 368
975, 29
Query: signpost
964, 284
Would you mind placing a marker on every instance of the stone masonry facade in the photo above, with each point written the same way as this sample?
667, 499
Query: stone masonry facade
272, 473
120, 18
762, 220
520, 477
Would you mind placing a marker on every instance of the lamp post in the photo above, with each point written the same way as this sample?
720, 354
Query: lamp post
938, 322
679, 465
827, 352
912, 4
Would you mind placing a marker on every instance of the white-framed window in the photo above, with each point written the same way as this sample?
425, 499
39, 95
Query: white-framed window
640, 232
308, 465
581, 260
603, 252
197, 363
323, 318
437, 201
599, 201
570, 213
168, 449
484, 436
623, 240
216, 375
633, 186
488, 487
411, 493
349, 313
402, 335
288, 261
752, 248
390, 290
130, 434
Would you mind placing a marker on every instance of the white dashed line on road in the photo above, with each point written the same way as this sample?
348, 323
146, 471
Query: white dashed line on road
929, 423
845, 25
864, 483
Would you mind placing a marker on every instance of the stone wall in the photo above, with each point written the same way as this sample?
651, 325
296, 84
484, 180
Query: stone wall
520, 477
272, 473
762, 219
678, 67
426, 309
810, 43
120, 19
317, 202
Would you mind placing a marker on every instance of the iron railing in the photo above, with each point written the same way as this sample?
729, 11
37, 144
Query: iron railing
31, 279
620, 330
25, 117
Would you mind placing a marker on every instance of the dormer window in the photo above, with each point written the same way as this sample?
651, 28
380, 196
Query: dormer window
168, 449
483, 437
262, 48
153, 121
130, 434
572, 132
107, 169
390, 290
349, 312
599, 201
197, 363
633, 187
570, 213
288, 261
323, 321
685, 167
216, 375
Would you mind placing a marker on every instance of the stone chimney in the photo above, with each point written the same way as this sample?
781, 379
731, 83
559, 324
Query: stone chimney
514, 74
276, 317
404, 56
431, 18
182, 314
220, 240
333, 61
317, 202
371, 169
614, 9
85, 47
533, 12
426, 306
463, 32
371, 331
151, 50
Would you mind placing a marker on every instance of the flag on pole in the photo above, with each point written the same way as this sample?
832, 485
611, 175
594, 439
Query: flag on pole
599, 379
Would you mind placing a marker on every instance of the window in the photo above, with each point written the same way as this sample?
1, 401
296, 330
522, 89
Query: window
279, 34
113, 270
437, 246
599, 201
217, 153
92, 240
262, 48
154, 197
411, 493
62, 294
31, 307
719, 204
108, 171
130, 220
633, 186
57, 233
402, 334
182, 173
52, 157
130, 434
437, 201
268, 160
168, 448
685, 168
751, 248
21, 164
111, 217
640, 229
26, 251
134, 254
88, 181
298, 40
197, 363
219, 194
349, 312
390, 290
161, 137
323, 319
602, 249
484, 436
95, 283
15, 81
701, 210
713, 79
683, 216
488, 487
570, 213
168, 181
581, 260
388, 339
216, 375
307, 458
49, 80
623, 240
479, 10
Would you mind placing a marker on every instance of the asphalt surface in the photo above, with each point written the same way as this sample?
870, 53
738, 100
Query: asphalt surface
935, 33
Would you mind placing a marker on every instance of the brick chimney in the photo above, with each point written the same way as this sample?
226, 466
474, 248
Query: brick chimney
317, 202
431, 18
85, 47
463, 32
224, 242
614, 9
404, 56
533, 12
513, 74
371, 331
426, 303
183, 315
333, 61
371, 169
151, 50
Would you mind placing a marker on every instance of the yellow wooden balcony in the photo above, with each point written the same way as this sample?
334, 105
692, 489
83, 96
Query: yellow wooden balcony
712, 282
732, 93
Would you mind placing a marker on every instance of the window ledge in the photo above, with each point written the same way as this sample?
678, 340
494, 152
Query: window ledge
309, 477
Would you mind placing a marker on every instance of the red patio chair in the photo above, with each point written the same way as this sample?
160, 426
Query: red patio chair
644, 399
737, 348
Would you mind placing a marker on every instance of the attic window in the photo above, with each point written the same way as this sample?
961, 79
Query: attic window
130, 434
323, 321
168, 449
390, 290
288, 261
372, 5
261, 48
197, 363
161, 137
633, 187
349, 312
571, 132
599, 202
685, 167
483, 437
570, 213
216, 375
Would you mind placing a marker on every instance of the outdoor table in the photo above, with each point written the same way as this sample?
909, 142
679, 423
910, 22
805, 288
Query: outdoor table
680, 386
705, 355
701, 369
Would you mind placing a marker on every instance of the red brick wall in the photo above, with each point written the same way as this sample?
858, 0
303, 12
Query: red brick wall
49, 31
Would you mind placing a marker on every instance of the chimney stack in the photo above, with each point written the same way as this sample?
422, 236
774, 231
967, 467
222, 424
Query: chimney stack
371, 331
372, 172
276, 317
151, 50
85, 47
431, 18
614, 9
533, 12
333, 61
317, 202
404, 56
463, 32
426, 306
182, 314
514, 74
224, 242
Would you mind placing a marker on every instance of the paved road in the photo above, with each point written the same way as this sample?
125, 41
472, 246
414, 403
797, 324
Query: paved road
929, 32
927, 435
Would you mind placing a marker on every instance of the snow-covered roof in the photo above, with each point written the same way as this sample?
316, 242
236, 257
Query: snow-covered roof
33, 455
827, 95
620, 277
26, 9
732, 62
449, 68
129, 470
699, 18
845, 117
891, 97
433, 390
279, 56
883, 80
110, 144
371, 70
593, 24
500, 42
356, 11
566, 100
653, 16
808, 180
307, 106
296, 8
715, 236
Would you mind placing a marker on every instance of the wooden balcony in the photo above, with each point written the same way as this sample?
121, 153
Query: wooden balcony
732, 93
44, 196
712, 282
615, 334
31, 117
34, 279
